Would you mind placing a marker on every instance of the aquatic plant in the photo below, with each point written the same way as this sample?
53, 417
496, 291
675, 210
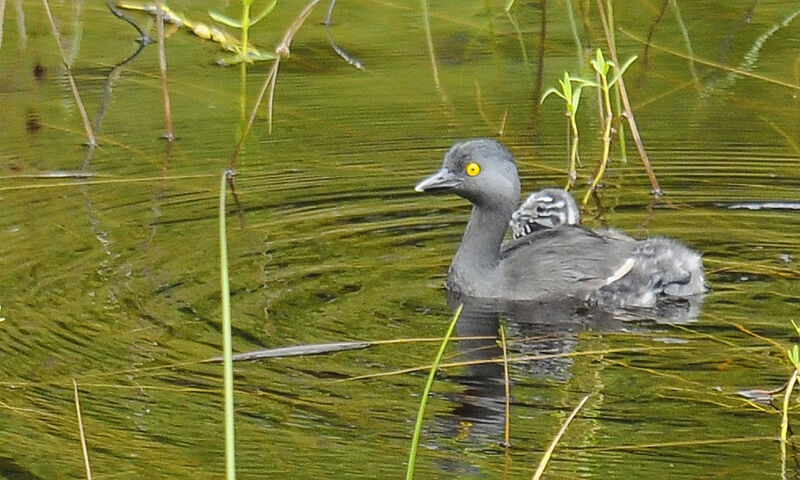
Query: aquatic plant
608, 73
571, 97
412, 456
241, 51
602, 67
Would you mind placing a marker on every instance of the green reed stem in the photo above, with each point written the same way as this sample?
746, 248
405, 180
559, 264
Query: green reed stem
412, 456
573, 153
785, 416
607, 120
245, 30
230, 451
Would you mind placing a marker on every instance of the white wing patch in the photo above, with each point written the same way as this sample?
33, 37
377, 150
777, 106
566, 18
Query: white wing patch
623, 270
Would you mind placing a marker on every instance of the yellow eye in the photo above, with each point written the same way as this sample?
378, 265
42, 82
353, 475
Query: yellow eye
473, 169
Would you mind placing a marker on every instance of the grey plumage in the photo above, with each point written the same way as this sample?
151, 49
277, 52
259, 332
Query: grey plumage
552, 257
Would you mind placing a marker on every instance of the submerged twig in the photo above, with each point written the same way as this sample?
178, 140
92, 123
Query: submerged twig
80, 430
549, 452
92, 141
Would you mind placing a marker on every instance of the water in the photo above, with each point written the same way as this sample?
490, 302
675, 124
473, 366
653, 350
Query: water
112, 279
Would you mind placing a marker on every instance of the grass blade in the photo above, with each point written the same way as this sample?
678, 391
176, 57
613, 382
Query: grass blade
80, 429
507, 385
230, 452
412, 456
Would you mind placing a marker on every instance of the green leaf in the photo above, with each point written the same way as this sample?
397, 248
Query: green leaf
584, 82
267, 10
576, 99
260, 56
619, 73
549, 91
794, 356
229, 60
225, 20
600, 64
566, 86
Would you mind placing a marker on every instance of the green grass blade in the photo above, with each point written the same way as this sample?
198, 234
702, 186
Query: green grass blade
412, 456
230, 452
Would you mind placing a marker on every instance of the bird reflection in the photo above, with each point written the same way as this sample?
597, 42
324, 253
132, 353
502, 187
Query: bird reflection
548, 330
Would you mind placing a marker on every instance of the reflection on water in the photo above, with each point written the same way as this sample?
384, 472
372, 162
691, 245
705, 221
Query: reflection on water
543, 335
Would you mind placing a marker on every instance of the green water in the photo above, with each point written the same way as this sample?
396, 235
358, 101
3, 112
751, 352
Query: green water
113, 280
